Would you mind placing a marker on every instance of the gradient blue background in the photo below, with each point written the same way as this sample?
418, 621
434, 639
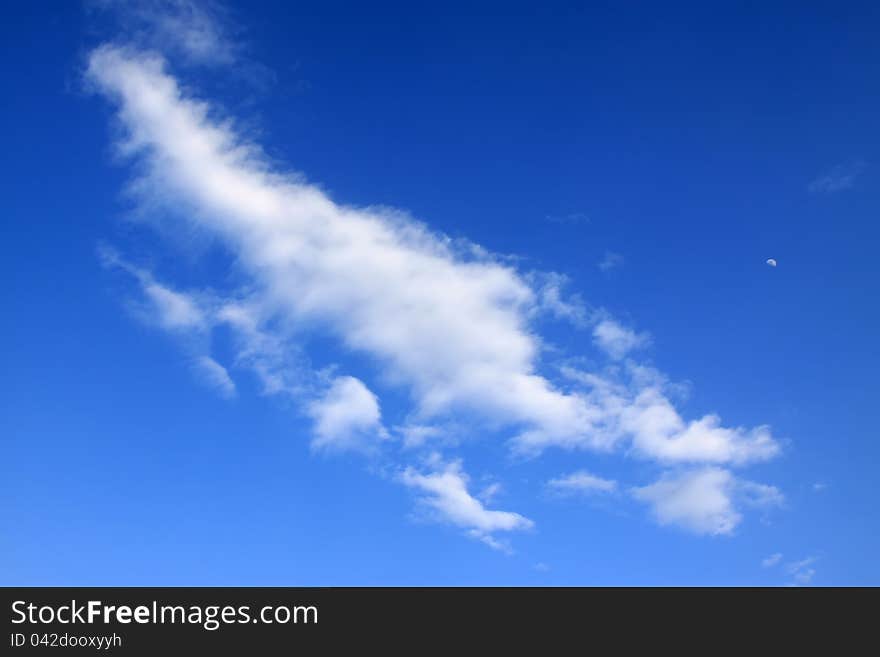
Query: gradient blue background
683, 137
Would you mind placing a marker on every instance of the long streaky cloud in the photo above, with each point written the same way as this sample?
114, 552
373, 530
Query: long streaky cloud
453, 329
450, 325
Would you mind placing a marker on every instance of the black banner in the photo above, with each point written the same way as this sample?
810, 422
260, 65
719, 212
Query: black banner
414, 620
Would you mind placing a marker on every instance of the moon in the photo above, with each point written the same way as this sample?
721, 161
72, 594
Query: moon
771, 262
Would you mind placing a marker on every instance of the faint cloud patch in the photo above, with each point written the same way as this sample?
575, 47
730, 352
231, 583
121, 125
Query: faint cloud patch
201, 32
554, 301
838, 179
581, 482
490, 492
216, 376
802, 572
610, 261
616, 340
570, 219
772, 560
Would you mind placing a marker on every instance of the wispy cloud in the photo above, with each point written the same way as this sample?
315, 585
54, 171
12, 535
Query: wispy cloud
839, 178
193, 316
553, 300
802, 571
610, 261
772, 560
581, 482
490, 492
170, 309
216, 376
616, 340
200, 32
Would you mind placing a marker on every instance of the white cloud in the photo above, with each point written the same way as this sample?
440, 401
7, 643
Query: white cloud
616, 340
633, 403
347, 416
704, 500
698, 501
449, 326
772, 560
660, 432
582, 482
452, 328
215, 375
447, 496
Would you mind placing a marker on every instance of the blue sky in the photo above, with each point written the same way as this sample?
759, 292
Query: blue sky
323, 294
